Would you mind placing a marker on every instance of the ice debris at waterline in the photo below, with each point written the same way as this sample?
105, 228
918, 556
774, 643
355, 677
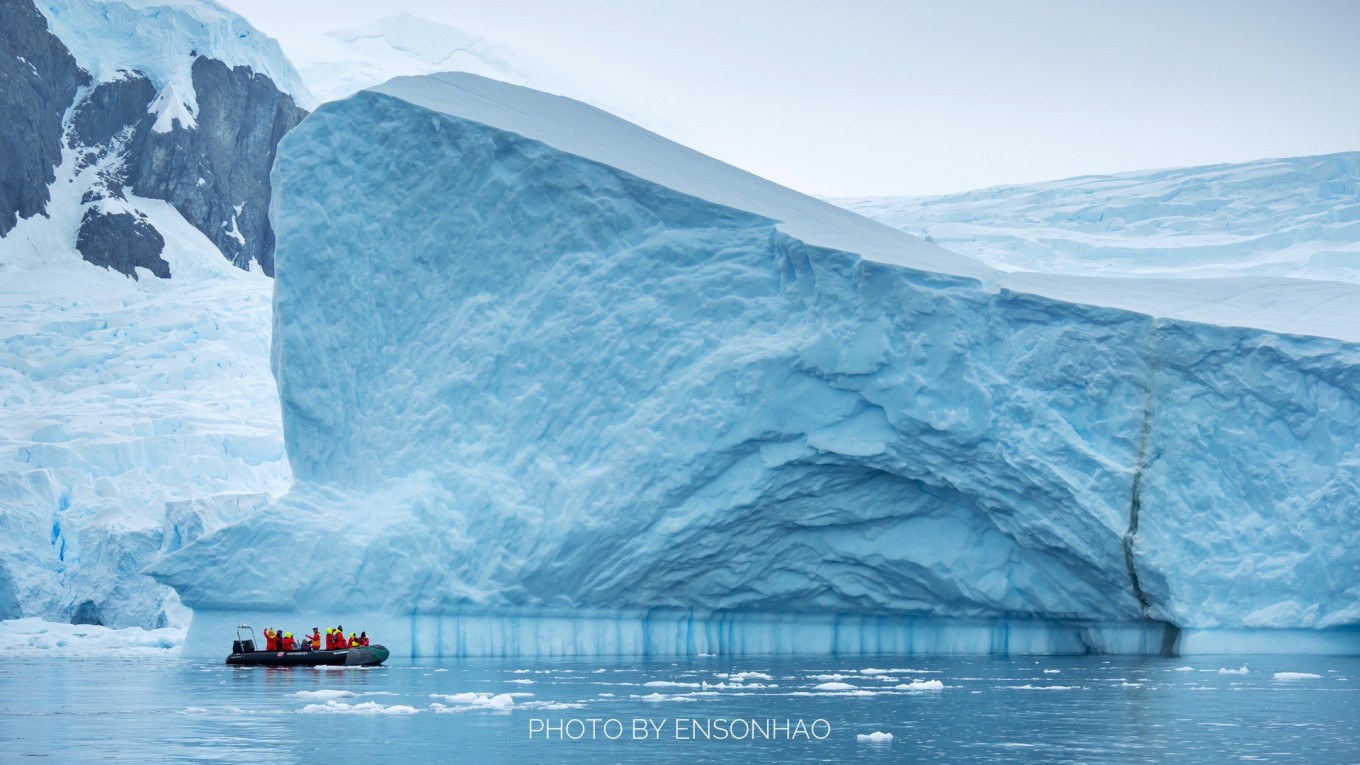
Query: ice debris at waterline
552, 384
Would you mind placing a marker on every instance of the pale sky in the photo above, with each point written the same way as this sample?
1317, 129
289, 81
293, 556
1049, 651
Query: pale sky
865, 98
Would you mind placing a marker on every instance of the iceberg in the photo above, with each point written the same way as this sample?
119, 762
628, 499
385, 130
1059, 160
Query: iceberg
552, 384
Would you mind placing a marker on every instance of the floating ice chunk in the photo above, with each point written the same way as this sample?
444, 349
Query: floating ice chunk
669, 684
1242, 670
362, 708
835, 687
741, 677
877, 736
1184, 669
1285, 677
522, 681
1052, 671
921, 685
329, 693
1028, 687
480, 700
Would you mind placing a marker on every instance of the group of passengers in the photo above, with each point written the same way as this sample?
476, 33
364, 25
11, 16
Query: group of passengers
335, 640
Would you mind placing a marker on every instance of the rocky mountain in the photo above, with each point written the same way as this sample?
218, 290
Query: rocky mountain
118, 103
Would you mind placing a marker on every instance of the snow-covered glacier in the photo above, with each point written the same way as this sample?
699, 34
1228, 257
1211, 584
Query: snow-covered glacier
552, 384
1297, 217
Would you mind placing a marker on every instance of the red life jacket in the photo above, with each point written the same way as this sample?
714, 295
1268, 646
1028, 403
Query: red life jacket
330, 641
363, 641
269, 640
288, 643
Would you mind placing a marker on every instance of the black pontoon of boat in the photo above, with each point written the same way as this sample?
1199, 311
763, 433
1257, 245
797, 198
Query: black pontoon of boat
243, 653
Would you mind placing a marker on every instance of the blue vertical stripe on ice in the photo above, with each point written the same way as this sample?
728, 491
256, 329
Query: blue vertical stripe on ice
516, 380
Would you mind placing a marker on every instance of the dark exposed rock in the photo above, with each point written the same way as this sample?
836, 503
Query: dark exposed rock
217, 175
38, 80
110, 108
123, 242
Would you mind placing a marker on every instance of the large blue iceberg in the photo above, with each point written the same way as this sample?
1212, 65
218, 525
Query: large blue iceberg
552, 384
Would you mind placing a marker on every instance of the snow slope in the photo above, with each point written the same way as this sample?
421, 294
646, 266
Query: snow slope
551, 383
1296, 217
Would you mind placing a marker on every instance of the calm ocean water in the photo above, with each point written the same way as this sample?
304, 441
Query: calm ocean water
707, 709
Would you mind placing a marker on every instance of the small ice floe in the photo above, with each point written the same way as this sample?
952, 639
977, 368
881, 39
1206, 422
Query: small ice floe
1286, 677
1242, 670
1184, 669
192, 711
669, 684
1028, 687
551, 705
741, 677
831, 677
362, 708
835, 687
659, 697
920, 685
1052, 671
441, 669
599, 671
521, 681
329, 693
877, 737
873, 671
476, 701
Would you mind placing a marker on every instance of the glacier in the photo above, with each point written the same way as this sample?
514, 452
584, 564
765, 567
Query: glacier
551, 384
1295, 217
135, 414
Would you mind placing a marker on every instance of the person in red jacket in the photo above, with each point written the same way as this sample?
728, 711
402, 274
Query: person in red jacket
363, 638
269, 640
288, 643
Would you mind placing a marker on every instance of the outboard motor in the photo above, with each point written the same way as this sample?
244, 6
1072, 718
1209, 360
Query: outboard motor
243, 645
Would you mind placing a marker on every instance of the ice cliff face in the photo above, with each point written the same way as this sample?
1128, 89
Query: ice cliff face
182, 103
536, 361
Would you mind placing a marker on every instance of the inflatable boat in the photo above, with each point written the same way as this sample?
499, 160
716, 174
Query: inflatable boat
243, 653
